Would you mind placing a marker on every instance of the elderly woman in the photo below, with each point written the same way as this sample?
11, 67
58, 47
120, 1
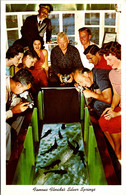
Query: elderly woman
110, 121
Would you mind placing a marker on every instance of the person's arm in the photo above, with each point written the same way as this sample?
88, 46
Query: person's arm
60, 77
104, 96
109, 112
77, 63
54, 61
45, 64
21, 107
9, 114
115, 99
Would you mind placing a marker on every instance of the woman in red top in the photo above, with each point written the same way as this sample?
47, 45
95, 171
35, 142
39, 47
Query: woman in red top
110, 121
42, 53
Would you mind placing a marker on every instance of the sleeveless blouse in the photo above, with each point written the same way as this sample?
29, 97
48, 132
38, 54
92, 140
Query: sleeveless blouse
115, 79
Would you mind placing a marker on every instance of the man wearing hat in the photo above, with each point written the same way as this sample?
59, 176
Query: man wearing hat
36, 25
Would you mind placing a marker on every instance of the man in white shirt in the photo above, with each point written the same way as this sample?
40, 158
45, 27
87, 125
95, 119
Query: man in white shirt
19, 83
85, 36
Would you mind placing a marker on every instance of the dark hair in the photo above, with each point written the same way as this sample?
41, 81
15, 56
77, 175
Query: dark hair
40, 39
85, 28
24, 76
14, 50
31, 53
92, 49
112, 47
81, 70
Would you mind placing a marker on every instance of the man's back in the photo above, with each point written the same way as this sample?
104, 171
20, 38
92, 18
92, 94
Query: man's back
101, 79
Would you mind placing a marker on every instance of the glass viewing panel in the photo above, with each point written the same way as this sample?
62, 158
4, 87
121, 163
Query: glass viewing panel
55, 24
11, 21
110, 19
69, 24
92, 18
71, 40
54, 39
109, 29
95, 35
12, 36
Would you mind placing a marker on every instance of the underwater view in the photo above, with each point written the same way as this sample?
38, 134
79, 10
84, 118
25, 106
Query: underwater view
61, 159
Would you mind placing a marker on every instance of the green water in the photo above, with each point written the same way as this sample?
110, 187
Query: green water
76, 170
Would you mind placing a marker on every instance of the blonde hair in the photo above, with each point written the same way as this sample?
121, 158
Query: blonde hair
61, 35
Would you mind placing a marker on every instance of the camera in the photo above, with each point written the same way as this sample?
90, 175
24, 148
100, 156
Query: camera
81, 89
27, 97
65, 78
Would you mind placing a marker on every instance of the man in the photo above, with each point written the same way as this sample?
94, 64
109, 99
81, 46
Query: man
85, 40
32, 62
19, 83
94, 57
29, 59
65, 58
99, 81
36, 25
34, 65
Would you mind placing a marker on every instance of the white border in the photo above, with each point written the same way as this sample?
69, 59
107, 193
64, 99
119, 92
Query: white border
16, 189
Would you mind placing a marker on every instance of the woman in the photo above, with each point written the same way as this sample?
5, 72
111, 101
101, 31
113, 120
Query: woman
110, 121
14, 56
42, 53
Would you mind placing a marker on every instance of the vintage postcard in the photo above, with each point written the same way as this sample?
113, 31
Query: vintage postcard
63, 97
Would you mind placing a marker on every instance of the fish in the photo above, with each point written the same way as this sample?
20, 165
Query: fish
56, 162
63, 126
61, 172
60, 135
75, 149
47, 133
81, 154
53, 147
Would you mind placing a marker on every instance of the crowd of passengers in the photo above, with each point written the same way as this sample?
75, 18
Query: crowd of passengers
97, 70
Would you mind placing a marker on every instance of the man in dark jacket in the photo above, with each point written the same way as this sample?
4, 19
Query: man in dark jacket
36, 25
